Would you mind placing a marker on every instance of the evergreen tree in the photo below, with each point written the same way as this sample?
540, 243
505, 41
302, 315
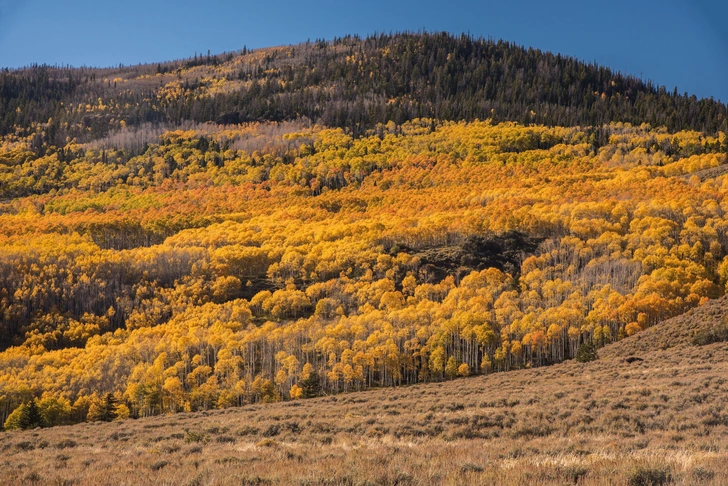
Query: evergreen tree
109, 409
311, 386
31, 417
586, 352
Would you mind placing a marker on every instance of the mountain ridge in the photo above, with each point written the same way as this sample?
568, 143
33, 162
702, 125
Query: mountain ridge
349, 82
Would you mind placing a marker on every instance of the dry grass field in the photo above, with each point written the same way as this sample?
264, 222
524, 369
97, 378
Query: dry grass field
658, 420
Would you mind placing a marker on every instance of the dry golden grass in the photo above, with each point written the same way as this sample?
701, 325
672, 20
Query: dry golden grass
662, 420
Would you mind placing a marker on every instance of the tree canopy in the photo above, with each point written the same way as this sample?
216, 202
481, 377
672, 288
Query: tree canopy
231, 264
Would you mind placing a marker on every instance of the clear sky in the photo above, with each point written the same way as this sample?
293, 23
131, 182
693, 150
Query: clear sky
681, 43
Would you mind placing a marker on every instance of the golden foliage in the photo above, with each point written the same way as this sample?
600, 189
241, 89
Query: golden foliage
199, 275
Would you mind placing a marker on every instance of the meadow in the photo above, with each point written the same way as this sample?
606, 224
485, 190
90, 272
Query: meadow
658, 420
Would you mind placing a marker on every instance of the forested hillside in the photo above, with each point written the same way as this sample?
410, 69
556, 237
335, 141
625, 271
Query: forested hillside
328, 217
350, 83
235, 264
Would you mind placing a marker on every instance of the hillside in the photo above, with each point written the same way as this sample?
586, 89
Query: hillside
225, 265
662, 420
229, 264
675, 335
262, 263
351, 83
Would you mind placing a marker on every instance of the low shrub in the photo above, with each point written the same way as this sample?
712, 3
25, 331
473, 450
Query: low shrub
196, 437
586, 352
159, 465
650, 476
66, 444
716, 334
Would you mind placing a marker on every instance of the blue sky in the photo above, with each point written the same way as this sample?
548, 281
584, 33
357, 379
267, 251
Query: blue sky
673, 42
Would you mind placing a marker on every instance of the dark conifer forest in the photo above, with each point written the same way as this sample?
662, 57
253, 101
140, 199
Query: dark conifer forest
351, 83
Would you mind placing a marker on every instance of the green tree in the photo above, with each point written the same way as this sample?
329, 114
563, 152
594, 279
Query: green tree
103, 411
31, 418
109, 409
586, 352
310, 386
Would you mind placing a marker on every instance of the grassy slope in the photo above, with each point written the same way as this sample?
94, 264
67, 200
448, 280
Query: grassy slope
605, 422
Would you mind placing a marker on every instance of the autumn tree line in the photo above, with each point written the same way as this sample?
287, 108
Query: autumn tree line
352, 83
234, 264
